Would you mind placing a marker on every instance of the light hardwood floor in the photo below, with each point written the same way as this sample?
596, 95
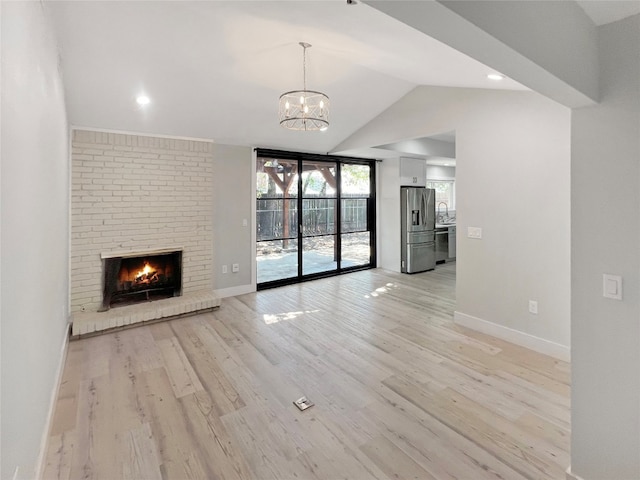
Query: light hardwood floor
400, 392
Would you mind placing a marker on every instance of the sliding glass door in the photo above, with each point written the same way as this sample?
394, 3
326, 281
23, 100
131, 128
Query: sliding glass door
277, 220
315, 216
318, 215
355, 209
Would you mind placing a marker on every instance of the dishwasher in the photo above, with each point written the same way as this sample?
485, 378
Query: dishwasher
442, 244
452, 242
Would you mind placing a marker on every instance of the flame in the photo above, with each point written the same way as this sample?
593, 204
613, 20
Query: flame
145, 271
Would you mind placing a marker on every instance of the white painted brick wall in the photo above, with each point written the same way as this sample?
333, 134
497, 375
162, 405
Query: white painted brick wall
135, 193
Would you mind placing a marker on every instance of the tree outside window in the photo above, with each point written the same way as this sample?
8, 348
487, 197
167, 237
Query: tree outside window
445, 192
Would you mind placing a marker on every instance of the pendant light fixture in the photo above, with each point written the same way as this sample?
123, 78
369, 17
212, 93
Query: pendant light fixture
304, 109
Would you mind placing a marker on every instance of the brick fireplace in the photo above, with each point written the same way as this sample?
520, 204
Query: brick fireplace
135, 196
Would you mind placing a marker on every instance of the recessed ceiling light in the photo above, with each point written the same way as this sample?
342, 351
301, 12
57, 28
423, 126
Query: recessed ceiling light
495, 76
143, 100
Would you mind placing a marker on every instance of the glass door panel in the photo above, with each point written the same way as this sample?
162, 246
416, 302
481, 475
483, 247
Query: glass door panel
276, 220
318, 216
319, 192
356, 249
355, 180
355, 215
319, 254
318, 232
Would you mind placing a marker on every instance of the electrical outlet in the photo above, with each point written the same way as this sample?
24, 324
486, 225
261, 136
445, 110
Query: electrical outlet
235, 268
224, 269
533, 307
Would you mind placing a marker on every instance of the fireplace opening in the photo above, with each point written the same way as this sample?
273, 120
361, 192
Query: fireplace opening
141, 278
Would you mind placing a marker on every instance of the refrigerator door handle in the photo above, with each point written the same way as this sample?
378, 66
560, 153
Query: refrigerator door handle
415, 217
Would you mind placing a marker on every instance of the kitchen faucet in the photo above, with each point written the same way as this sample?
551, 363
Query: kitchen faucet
445, 206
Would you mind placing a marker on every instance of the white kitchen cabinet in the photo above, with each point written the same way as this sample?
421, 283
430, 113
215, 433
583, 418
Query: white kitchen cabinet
413, 172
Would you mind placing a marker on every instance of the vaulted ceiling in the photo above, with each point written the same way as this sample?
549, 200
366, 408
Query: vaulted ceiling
215, 69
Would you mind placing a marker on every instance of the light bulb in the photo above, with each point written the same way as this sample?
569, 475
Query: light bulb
306, 109
286, 106
321, 103
301, 100
143, 100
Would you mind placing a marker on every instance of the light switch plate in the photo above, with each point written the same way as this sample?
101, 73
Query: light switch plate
612, 286
474, 232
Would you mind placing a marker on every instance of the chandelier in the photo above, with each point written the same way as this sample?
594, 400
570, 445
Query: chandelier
304, 109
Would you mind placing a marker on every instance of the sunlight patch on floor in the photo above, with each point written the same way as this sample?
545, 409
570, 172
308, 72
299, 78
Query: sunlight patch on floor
386, 288
279, 317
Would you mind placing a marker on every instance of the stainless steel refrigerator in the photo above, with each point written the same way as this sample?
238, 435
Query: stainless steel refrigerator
418, 223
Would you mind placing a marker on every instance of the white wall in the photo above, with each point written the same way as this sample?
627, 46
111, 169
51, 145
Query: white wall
605, 201
35, 210
233, 198
388, 221
512, 179
437, 172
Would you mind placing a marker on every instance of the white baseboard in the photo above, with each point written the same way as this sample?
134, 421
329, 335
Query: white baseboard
44, 442
572, 476
233, 291
540, 345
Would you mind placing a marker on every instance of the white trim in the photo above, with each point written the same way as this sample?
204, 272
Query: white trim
128, 253
572, 476
69, 216
540, 345
233, 291
44, 441
141, 134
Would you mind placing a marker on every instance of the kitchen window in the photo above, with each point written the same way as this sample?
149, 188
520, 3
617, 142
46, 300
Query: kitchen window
445, 192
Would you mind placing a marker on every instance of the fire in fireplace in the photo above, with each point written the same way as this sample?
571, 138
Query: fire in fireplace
141, 278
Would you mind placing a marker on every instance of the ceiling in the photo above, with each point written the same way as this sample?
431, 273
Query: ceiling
215, 69
602, 12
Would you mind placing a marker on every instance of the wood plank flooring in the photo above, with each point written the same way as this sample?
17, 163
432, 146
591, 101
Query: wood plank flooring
400, 392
